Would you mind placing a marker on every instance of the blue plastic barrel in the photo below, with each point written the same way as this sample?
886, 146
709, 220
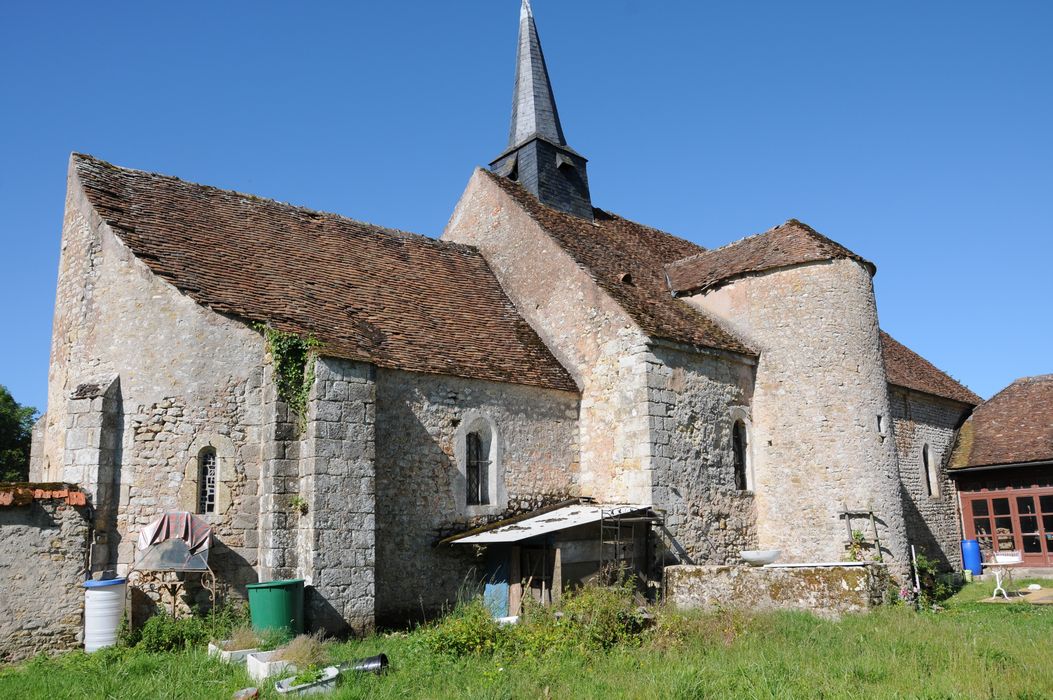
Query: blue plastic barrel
971, 556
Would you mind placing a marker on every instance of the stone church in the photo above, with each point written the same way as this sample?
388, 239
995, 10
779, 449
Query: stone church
346, 403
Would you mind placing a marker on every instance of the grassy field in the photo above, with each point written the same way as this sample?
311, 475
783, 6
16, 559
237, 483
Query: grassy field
969, 650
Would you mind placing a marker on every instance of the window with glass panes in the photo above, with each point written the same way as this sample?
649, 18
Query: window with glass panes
1012, 520
206, 481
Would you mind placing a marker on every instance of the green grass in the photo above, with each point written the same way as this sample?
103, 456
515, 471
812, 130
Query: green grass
969, 650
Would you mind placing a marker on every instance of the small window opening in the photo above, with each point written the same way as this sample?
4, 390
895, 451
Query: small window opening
510, 168
477, 467
626, 278
932, 481
206, 481
881, 424
739, 446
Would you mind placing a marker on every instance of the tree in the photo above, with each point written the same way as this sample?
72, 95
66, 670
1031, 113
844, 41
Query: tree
16, 437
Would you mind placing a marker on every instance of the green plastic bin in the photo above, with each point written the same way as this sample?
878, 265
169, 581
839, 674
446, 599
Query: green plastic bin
277, 605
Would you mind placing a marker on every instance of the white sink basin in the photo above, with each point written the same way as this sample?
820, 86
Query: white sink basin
760, 557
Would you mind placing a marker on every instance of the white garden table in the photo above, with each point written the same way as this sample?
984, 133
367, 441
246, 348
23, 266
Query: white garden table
1002, 567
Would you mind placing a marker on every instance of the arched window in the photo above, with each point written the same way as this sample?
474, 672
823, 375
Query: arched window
478, 484
740, 451
207, 467
931, 474
477, 468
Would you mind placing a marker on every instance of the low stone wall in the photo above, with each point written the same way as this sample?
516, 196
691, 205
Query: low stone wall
44, 531
828, 591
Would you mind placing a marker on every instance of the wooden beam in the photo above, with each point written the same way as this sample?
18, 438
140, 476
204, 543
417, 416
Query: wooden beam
515, 583
557, 577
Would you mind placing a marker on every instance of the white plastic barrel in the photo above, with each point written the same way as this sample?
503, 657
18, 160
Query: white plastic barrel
103, 608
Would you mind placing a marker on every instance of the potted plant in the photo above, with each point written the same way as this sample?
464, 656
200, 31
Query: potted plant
302, 652
243, 641
263, 664
310, 681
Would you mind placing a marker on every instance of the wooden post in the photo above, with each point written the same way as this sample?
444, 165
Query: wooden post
877, 539
515, 584
544, 570
557, 577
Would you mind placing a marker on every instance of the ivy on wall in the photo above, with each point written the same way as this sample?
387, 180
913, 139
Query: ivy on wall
293, 358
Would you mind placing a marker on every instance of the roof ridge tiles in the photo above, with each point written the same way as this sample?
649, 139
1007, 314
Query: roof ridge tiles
1034, 378
734, 243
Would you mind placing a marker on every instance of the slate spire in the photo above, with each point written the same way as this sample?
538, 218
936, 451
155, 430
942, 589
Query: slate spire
533, 104
538, 155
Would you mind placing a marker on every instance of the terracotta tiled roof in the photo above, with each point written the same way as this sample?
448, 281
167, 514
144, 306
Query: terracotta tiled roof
787, 244
392, 298
609, 248
23, 494
1012, 427
907, 368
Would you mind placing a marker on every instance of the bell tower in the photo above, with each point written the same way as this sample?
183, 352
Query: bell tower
538, 156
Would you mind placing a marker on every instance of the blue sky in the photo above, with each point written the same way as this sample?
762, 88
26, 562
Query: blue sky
917, 134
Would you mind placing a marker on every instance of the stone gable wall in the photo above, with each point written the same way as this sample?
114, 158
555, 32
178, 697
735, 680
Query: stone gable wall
75, 306
820, 388
933, 523
585, 329
187, 377
647, 414
43, 549
691, 399
420, 493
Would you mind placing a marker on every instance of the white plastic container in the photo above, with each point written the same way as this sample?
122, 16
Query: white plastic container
262, 665
323, 685
231, 657
103, 609
760, 557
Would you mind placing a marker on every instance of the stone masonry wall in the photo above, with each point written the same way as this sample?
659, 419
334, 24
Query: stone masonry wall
645, 412
933, 522
188, 379
43, 549
92, 457
583, 327
421, 421
827, 591
336, 538
36, 451
279, 485
820, 388
691, 398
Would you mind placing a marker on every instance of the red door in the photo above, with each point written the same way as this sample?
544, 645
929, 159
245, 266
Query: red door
1012, 520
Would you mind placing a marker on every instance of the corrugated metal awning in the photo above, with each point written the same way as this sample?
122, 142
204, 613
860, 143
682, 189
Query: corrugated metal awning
551, 521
